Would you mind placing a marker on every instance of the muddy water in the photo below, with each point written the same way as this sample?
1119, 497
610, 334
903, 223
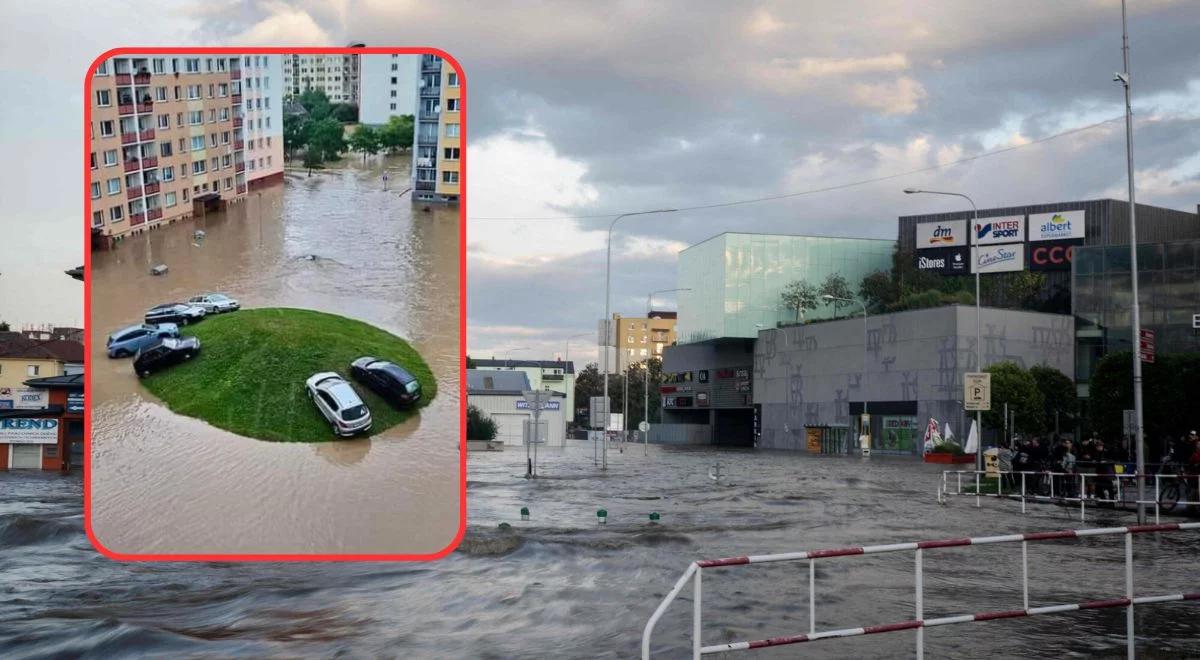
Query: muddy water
561, 586
163, 483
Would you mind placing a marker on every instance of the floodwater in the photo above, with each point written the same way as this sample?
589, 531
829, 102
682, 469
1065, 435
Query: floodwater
562, 586
335, 242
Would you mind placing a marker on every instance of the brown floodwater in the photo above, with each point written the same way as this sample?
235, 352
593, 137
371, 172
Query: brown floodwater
166, 483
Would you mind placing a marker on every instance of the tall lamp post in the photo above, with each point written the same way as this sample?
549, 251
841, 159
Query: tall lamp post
865, 334
567, 362
1139, 437
978, 341
608, 317
646, 371
510, 350
567, 354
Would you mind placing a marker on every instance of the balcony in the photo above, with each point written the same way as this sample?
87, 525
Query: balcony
239, 167
426, 162
137, 219
427, 140
426, 185
431, 91
152, 188
132, 165
241, 190
430, 115
125, 108
239, 145
146, 135
124, 79
237, 122
236, 99
154, 214
235, 74
146, 106
149, 162
431, 64
133, 193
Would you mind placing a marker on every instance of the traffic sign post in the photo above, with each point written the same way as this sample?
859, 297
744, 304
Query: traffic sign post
1146, 346
1129, 422
644, 427
535, 399
977, 391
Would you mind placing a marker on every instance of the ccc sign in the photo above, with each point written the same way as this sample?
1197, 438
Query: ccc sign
1051, 255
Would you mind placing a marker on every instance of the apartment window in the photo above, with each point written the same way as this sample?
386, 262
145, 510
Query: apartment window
268, 140
257, 104
168, 173
267, 103
216, 162
452, 177
182, 145
212, 140
95, 190
183, 171
164, 121
222, 63
228, 183
110, 157
225, 137
451, 105
208, 64
185, 195
451, 130
251, 164
164, 149
222, 90
102, 68
198, 167
268, 122
193, 92
192, 65
393, 93
195, 117
452, 80
391, 106
268, 161
393, 80
103, 98
178, 89
451, 153
247, 60
158, 65
212, 115
93, 160
226, 160
197, 142
97, 218
260, 163
171, 201
32, 370
115, 213
114, 186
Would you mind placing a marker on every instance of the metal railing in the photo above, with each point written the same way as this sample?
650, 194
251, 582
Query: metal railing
918, 622
1119, 489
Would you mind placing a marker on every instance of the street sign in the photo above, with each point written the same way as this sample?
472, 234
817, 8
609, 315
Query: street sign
1129, 422
1196, 321
598, 412
616, 422
643, 426
1146, 346
606, 333
977, 391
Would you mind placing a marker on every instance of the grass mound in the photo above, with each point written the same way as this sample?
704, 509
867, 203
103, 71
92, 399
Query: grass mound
249, 376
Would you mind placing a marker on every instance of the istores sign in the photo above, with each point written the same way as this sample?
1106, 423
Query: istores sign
1059, 226
999, 230
941, 234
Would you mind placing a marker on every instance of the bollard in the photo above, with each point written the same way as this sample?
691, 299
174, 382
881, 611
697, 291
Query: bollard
505, 526
653, 516
525, 513
602, 517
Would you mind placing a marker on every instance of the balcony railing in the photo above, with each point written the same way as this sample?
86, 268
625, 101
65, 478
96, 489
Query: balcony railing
239, 167
133, 193
237, 99
132, 165
125, 108
136, 219
142, 78
150, 161
237, 122
431, 65
154, 214
129, 138
241, 190
427, 139
239, 144
431, 91
235, 74
426, 185
147, 134
123, 79
426, 162
151, 188
146, 106
431, 115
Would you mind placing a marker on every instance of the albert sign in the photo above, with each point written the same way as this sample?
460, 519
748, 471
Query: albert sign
29, 431
977, 391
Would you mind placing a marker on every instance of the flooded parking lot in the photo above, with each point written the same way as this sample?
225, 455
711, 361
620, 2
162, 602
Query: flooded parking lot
336, 242
563, 586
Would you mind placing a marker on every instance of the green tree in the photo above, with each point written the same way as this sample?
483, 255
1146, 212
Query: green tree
316, 103
365, 140
879, 291
326, 138
397, 133
479, 426
835, 285
312, 159
4, 326
1017, 387
1170, 390
800, 296
470, 362
1059, 396
294, 136
346, 113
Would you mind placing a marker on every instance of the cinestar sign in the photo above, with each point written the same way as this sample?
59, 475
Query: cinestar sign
999, 259
999, 230
941, 234
1056, 226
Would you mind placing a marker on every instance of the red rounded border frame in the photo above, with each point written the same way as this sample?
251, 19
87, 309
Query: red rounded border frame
87, 303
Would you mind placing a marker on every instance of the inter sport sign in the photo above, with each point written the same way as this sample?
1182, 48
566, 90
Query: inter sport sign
989, 231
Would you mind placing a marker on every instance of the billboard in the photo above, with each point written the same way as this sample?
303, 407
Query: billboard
1051, 255
947, 261
32, 431
990, 231
1056, 226
999, 258
941, 234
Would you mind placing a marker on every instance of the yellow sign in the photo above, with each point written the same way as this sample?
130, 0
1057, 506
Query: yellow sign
977, 391
814, 440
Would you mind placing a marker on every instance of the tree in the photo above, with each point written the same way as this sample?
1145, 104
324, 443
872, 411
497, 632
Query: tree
1170, 390
470, 362
294, 137
312, 158
479, 426
1017, 387
326, 138
397, 133
878, 291
835, 285
365, 140
4, 326
1058, 394
316, 103
345, 112
800, 296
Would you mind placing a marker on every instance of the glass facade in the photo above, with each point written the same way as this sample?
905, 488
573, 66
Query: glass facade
1168, 293
737, 280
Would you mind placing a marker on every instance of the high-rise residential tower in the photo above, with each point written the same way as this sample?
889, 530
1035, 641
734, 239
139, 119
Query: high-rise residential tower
387, 87
438, 148
262, 86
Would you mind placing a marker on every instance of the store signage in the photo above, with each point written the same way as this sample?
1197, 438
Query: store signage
31, 399
678, 401
1051, 255
546, 405
75, 402
702, 375
999, 230
977, 390
1196, 321
947, 261
702, 398
28, 431
6, 404
999, 258
733, 373
1056, 226
941, 234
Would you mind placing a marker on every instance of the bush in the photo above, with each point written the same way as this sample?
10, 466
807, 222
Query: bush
947, 448
479, 426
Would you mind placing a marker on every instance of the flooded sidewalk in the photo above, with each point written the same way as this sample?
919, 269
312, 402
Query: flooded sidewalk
336, 242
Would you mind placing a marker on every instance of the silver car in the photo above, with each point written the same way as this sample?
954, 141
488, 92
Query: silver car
215, 303
339, 403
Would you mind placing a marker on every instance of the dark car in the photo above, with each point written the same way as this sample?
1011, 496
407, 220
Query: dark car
164, 353
181, 313
388, 380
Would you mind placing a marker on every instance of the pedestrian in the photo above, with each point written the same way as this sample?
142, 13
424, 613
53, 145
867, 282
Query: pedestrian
1004, 462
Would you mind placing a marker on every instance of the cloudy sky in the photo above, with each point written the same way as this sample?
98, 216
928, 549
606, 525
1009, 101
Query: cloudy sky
592, 109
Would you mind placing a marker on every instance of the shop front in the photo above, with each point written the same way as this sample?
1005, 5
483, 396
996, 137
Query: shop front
50, 438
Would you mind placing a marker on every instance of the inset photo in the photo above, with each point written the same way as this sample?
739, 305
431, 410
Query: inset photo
274, 300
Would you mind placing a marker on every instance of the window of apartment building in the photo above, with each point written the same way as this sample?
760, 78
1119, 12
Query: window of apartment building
212, 90
212, 140
451, 105
195, 117
183, 172
110, 157
395, 67
160, 93
268, 161
223, 90
103, 98
102, 68
267, 103
193, 92
32, 370
247, 60
225, 137
391, 106
197, 142
451, 130
178, 93
158, 65
266, 82
115, 214
268, 140
198, 167
208, 64
168, 173
226, 160
93, 160
452, 79
452, 177
164, 148
174, 65
164, 121
171, 201
260, 163
228, 183
222, 63
185, 195
251, 162
183, 145
216, 163
97, 218
192, 65
212, 115
393, 93
451, 153
393, 80
114, 186
95, 190
268, 122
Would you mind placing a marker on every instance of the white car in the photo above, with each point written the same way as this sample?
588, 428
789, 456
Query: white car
339, 403
215, 303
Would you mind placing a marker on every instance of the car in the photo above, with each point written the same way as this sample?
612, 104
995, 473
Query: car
127, 341
387, 379
164, 353
174, 312
339, 403
214, 303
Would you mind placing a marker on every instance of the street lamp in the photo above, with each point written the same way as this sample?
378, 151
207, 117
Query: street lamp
567, 354
978, 342
864, 373
510, 350
646, 386
608, 315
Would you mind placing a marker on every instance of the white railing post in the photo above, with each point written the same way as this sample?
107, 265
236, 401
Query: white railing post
958, 476
1129, 635
1157, 496
1051, 474
812, 596
1022, 492
977, 498
1025, 574
696, 617
920, 604
1082, 497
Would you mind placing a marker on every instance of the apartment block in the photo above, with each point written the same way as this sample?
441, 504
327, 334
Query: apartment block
336, 75
166, 134
641, 338
387, 87
438, 147
262, 85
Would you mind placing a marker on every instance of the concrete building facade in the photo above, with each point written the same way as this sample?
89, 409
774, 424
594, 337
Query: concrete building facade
437, 152
335, 74
551, 375
387, 87
640, 338
500, 396
262, 86
166, 133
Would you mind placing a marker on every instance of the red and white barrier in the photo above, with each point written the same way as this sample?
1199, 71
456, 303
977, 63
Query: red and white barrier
919, 623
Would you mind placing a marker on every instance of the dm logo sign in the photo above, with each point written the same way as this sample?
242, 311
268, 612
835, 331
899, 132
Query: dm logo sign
941, 234
1056, 226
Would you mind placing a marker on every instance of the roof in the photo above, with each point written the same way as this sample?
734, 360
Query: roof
481, 381
17, 345
70, 381
664, 315
567, 367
